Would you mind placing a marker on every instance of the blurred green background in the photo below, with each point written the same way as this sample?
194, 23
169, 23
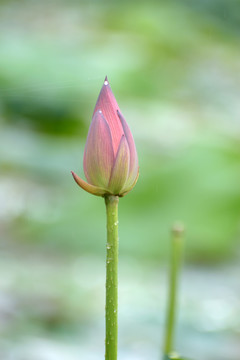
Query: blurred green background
174, 68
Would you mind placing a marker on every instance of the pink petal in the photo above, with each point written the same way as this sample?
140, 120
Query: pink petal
107, 103
133, 167
88, 187
98, 155
121, 168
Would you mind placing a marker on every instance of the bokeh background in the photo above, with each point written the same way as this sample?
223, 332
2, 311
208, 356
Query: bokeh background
174, 67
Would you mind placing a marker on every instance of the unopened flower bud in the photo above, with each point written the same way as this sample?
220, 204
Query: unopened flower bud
110, 159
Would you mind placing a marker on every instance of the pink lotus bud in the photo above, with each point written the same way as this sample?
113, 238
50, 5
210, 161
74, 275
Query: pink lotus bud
110, 159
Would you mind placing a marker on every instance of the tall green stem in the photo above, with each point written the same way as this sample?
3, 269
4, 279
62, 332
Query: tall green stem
112, 278
175, 264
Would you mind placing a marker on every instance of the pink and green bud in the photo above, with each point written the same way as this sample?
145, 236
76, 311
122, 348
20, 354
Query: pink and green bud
110, 158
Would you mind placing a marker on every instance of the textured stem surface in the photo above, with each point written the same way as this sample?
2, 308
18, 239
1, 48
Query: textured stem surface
175, 264
112, 278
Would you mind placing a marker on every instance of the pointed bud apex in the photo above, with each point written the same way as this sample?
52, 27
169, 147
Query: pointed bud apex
110, 158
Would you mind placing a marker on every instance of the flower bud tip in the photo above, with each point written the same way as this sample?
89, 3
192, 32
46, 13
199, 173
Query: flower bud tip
106, 82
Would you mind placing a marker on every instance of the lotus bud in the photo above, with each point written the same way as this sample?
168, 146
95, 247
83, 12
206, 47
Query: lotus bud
110, 158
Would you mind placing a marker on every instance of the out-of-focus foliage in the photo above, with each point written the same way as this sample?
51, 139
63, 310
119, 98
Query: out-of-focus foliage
174, 68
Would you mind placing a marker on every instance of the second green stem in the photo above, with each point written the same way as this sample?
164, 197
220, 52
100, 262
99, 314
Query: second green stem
175, 264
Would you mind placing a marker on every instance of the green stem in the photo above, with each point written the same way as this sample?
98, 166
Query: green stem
175, 264
112, 278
